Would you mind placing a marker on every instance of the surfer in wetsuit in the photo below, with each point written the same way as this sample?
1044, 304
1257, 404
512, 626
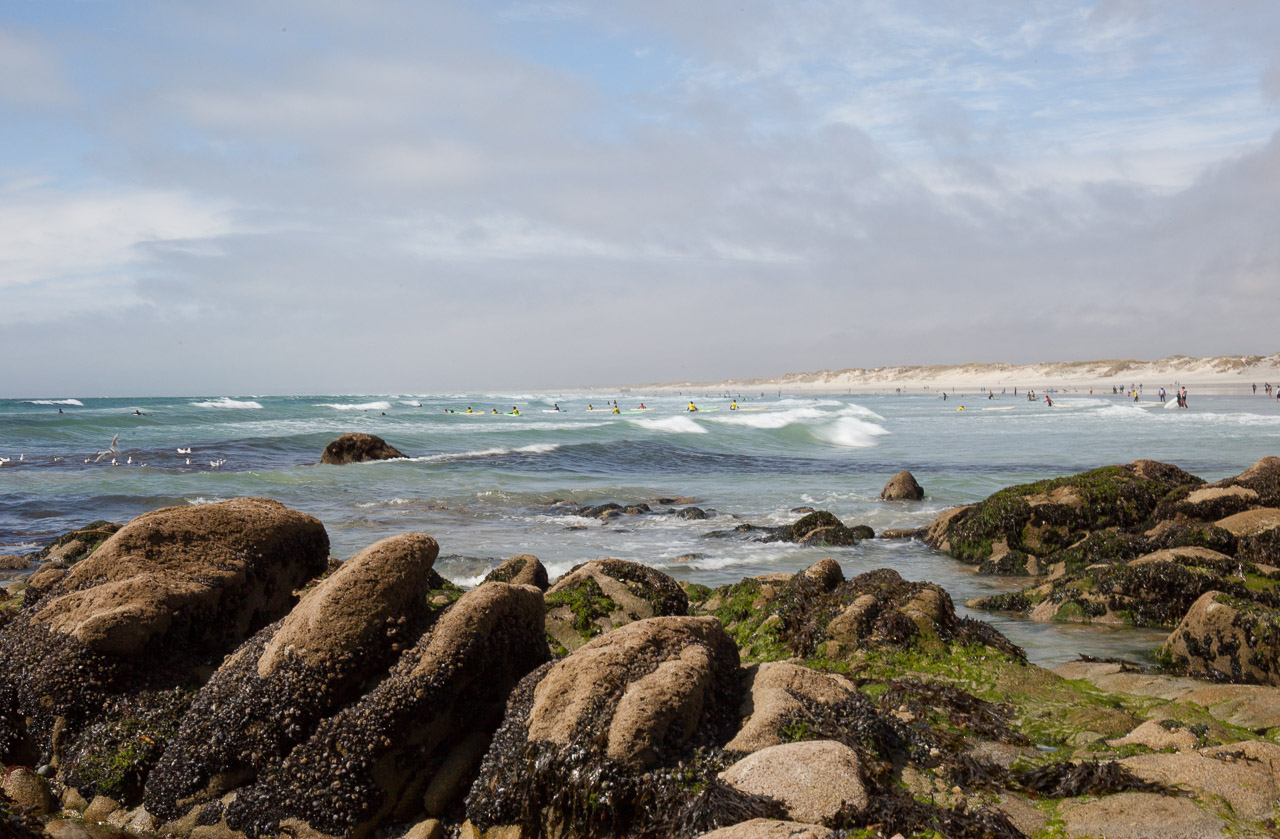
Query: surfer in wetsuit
692, 407
615, 409
733, 406
1048, 401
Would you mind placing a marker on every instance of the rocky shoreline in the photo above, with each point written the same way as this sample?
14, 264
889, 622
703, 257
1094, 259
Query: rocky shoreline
211, 672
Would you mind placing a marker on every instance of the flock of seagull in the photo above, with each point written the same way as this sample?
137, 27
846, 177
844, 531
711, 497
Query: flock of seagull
113, 451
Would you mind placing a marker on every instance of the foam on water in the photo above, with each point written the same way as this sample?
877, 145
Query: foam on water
74, 402
363, 406
670, 425
228, 402
536, 448
770, 420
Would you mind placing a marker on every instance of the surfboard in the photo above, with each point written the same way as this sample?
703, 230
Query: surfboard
1002, 408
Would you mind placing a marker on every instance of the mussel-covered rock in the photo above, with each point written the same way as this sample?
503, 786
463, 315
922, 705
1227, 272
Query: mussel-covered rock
171, 590
377, 760
1228, 638
585, 739
270, 695
603, 594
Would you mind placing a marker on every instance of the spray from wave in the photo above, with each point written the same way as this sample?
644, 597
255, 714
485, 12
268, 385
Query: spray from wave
229, 403
74, 402
363, 406
671, 425
850, 432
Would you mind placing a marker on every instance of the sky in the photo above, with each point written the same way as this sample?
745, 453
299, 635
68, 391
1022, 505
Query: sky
321, 196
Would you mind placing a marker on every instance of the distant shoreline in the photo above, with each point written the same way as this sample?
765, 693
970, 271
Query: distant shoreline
1222, 375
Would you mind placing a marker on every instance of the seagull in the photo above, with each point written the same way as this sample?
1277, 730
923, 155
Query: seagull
4, 460
21, 457
188, 460
113, 462
114, 448
130, 460
187, 450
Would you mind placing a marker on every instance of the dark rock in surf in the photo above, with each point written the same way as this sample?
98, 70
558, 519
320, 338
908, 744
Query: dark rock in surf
358, 448
902, 487
819, 529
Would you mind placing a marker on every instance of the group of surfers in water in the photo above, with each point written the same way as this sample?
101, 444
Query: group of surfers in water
612, 408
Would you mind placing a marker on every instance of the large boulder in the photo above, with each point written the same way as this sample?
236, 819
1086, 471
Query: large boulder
778, 694
601, 721
358, 448
902, 487
170, 591
1257, 533
373, 761
1227, 638
271, 694
603, 594
820, 528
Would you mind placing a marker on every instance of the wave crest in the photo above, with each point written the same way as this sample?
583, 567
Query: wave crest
228, 402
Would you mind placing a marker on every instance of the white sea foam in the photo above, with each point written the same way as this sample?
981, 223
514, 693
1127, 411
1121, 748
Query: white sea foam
850, 432
852, 410
228, 402
75, 402
412, 404
781, 419
363, 406
390, 502
200, 500
671, 425
536, 448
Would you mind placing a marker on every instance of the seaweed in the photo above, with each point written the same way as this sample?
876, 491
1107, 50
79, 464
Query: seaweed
896, 812
1065, 779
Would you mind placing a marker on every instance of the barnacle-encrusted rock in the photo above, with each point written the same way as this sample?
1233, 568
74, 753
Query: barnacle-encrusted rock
777, 693
902, 487
603, 594
1229, 638
272, 692
358, 448
641, 697
170, 590
76, 544
522, 570
372, 761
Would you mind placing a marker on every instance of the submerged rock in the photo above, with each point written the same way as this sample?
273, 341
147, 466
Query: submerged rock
358, 448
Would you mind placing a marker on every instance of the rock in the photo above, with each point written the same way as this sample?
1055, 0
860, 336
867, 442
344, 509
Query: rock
100, 809
1262, 477
813, 779
903, 533
818, 528
522, 570
826, 572
13, 562
643, 696
770, 829
692, 514
1141, 815
73, 800
75, 545
271, 694
371, 762
70, 829
1208, 503
776, 695
28, 791
1157, 735
427, 829
603, 594
162, 596
1227, 638
1257, 532
902, 487
1242, 774
358, 448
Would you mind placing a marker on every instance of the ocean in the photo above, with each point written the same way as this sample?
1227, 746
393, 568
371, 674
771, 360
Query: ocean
489, 486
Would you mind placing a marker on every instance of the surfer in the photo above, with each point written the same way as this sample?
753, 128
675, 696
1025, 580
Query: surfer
733, 406
944, 396
692, 407
468, 409
557, 406
615, 409
515, 412
1048, 401
642, 407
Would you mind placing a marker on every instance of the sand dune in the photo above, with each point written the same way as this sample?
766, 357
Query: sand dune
1219, 374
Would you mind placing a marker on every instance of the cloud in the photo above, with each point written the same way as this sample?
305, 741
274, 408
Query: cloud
31, 72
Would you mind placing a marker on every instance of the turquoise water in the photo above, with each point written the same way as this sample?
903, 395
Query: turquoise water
487, 486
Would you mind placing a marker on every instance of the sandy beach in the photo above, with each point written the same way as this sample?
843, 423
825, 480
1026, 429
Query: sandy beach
1219, 375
